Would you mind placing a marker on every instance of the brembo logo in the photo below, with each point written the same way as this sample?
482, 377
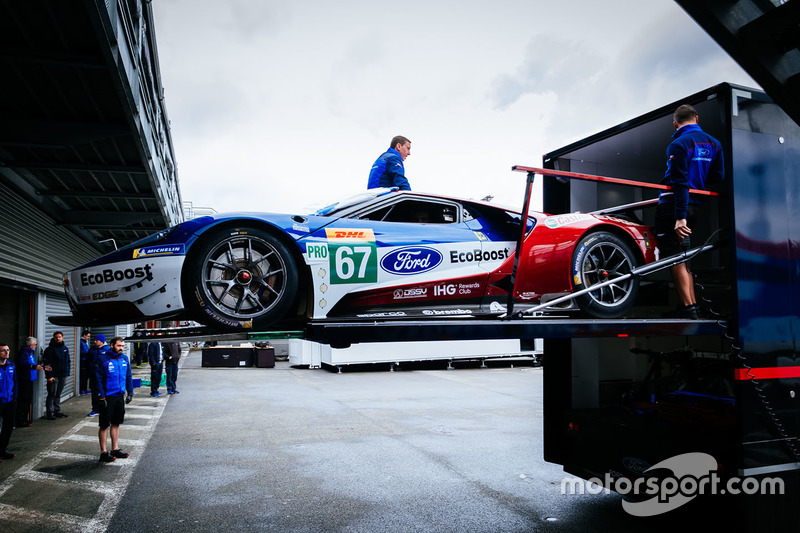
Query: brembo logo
108, 275
411, 260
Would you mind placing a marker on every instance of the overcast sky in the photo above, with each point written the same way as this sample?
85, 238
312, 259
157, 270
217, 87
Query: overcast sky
283, 106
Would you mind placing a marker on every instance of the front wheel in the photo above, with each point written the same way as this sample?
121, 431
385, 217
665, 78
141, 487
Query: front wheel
240, 278
600, 257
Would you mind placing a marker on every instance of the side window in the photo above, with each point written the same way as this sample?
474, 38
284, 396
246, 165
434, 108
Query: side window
380, 214
415, 211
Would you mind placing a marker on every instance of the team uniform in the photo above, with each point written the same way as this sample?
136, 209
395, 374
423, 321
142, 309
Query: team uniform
694, 160
8, 405
388, 171
113, 379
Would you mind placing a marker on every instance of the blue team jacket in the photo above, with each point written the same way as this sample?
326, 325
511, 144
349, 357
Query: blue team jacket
388, 171
113, 374
8, 383
694, 159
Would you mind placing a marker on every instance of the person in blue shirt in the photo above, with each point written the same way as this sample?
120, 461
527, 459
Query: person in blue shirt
388, 169
8, 400
27, 373
694, 160
113, 380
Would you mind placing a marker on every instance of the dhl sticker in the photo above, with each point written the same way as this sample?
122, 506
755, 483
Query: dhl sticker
355, 234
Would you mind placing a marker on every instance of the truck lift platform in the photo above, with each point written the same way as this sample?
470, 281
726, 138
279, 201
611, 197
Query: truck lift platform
342, 334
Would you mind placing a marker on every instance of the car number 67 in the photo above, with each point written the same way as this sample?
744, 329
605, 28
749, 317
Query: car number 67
354, 264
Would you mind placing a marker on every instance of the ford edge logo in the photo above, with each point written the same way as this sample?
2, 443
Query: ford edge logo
411, 260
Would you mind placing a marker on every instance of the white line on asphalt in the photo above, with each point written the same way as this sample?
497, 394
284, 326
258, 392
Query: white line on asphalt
112, 491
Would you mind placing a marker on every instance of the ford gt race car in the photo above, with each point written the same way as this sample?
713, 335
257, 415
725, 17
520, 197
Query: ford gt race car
379, 255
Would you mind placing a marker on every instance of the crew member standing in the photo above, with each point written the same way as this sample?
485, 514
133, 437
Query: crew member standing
92, 357
155, 356
8, 400
85, 367
172, 354
27, 373
388, 169
694, 160
57, 365
113, 380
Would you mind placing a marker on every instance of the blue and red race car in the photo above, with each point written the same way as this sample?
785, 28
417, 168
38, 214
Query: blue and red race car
382, 254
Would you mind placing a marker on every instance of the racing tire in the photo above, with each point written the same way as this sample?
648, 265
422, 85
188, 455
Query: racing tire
240, 278
602, 256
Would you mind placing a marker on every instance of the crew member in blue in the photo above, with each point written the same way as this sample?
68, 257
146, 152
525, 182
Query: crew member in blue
8, 400
113, 380
86, 369
388, 169
27, 373
694, 161
95, 351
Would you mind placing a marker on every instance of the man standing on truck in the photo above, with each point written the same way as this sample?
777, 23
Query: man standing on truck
388, 169
694, 160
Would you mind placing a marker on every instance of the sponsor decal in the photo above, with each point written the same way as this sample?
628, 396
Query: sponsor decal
85, 298
357, 234
438, 312
403, 294
382, 315
411, 260
497, 307
107, 295
478, 255
109, 275
353, 256
444, 290
300, 229
564, 220
481, 236
150, 251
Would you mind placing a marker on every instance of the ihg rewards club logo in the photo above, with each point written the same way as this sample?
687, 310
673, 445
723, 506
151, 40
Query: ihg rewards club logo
692, 475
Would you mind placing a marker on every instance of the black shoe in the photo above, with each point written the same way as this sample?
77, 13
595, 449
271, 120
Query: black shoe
106, 457
690, 312
119, 454
6, 455
50, 416
61, 415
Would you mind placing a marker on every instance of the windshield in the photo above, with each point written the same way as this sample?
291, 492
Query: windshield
354, 200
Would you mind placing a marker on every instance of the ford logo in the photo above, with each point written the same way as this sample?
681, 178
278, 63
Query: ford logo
411, 260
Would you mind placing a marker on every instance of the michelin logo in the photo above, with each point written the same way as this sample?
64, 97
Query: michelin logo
150, 251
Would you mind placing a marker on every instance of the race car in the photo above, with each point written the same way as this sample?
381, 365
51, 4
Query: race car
383, 254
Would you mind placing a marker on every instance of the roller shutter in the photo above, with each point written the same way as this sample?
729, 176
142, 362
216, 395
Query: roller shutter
36, 251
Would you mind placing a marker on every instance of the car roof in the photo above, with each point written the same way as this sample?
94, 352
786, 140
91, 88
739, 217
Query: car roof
359, 201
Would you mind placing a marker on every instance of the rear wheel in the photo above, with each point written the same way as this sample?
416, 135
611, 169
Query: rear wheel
240, 278
603, 256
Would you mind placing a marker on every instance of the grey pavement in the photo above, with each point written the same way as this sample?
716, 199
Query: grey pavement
293, 449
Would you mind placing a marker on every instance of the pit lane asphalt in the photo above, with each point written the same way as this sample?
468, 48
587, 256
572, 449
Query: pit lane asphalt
293, 449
